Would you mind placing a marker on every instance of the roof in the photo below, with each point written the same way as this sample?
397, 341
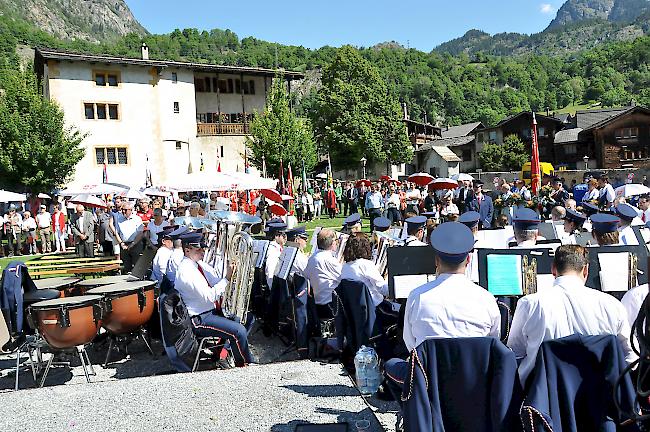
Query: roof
567, 136
446, 154
52, 54
615, 116
460, 131
564, 117
538, 116
446, 142
587, 118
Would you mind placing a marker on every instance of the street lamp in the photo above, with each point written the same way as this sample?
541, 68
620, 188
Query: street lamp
586, 160
363, 163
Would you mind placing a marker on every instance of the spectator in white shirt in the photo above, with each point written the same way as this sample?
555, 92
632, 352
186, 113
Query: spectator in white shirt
44, 224
130, 231
567, 309
324, 271
29, 229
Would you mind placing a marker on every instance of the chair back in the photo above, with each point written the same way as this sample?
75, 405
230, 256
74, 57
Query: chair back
354, 314
467, 384
176, 330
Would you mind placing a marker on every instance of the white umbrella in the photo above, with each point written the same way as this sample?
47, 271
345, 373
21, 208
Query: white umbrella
44, 196
87, 200
6, 196
93, 189
133, 193
462, 177
321, 176
152, 191
631, 189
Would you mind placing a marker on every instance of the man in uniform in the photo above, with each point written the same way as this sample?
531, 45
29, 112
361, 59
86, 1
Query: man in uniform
177, 254
352, 223
382, 224
451, 306
201, 290
415, 231
572, 224
604, 229
323, 271
567, 309
299, 236
471, 220
163, 254
606, 195
626, 213
276, 233
525, 224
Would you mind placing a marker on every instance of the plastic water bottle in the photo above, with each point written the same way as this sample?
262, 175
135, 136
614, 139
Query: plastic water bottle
366, 363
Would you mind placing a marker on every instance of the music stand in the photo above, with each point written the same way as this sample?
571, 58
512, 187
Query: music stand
544, 258
409, 261
641, 251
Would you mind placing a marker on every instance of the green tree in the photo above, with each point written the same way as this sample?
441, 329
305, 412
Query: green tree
37, 152
278, 134
355, 114
509, 156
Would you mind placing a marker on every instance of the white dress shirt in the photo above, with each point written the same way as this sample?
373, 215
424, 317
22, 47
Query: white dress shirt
199, 293
173, 263
160, 262
29, 224
299, 264
363, 270
591, 195
393, 201
626, 236
566, 309
44, 220
155, 229
129, 228
324, 272
413, 241
272, 259
645, 216
450, 306
632, 301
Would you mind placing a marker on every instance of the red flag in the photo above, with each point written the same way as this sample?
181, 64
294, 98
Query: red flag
219, 167
534, 164
290, 181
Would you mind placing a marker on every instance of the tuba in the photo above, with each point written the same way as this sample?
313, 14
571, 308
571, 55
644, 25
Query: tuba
237, 295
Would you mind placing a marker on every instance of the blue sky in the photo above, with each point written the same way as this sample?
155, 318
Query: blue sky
420, 24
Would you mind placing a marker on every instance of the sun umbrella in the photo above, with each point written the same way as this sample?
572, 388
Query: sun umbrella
44, 196
462, 177
277, 209
421, 179
6, 196
287, 198
631, 189
443, 183
152, 191
363, 182
271, 194
321, 176
96, 189
384, 178
88, 201
397, 182
132, 193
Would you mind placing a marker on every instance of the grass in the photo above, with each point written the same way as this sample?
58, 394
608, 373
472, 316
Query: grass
23, 258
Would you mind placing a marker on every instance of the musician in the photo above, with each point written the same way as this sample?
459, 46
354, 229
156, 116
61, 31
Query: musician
604, 229
633, 300
567, 309
299, 236
626, 214
359, 267
525, 224
572, 224
324, 271
415, 231
352, 223
163, 254
201, 289
177, 254
559, 194
276, 232
471, 220
450, 306
482, 204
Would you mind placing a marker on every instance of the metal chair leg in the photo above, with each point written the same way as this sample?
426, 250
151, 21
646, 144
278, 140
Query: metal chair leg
90, 365
143, 336
17, 367
198, 354
47, 370
108, 353
30, 351
83, 362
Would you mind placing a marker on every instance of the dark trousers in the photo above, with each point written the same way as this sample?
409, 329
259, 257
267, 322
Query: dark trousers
208, 324
373, 214
354, 204
395, 371
15, 244
85, 249
130, 256
332, 212
346, 205
107, 248
393, 215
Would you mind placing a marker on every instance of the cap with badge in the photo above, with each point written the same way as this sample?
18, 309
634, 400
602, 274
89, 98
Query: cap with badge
297, 232
165, 233
590, 208
178, 232
575, 217
275, 227
452, 242
352, 220
416, 222
430, 214
193, 239
526, 219
604, 223
381, 224
470, 219
626, 212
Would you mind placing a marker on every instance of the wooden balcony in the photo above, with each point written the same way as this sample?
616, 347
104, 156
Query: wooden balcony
211, 129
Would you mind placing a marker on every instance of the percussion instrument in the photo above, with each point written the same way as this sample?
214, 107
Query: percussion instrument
106, 280
67, 322
127, 305
63, 284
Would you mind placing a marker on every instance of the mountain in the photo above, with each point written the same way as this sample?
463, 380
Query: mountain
90, 20
574, 11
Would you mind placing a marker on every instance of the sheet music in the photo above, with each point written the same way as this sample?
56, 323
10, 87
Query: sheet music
614, 271
260, 247
504, 275
404, 284
314, 240
496, 239
286, 261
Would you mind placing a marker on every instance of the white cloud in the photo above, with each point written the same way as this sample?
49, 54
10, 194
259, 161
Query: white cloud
546, 8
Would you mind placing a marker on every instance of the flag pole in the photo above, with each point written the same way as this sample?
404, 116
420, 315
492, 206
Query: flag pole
534, 163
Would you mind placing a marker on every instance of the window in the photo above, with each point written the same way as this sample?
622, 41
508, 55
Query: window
570, 149
631, 132
244, 86
174, 77
526, 133
230, 86
89, 111
221, 151
100, 156
215, 85
208, 86
251, 87
201, 118
479, 137
101, 111
111, 155
493, 136
223, 86
177, 108
237, 86
541, 132
106, 78
121, 156
179, 145
199, 85
112, 112
467, 155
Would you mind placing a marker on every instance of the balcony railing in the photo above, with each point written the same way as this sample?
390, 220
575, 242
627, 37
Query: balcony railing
211, 129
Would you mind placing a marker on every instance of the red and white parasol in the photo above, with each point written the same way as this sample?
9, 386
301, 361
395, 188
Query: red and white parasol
271, 195
363, 182
443, 183
421, 179
277, 209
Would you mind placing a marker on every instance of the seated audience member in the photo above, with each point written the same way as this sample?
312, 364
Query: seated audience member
567, 309
324, 271
450, 306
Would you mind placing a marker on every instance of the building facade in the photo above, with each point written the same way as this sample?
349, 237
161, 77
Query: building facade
139, 115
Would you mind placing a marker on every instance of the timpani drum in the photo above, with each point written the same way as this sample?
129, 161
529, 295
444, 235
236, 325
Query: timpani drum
106, 280
68, 322
127, 305
63, 284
